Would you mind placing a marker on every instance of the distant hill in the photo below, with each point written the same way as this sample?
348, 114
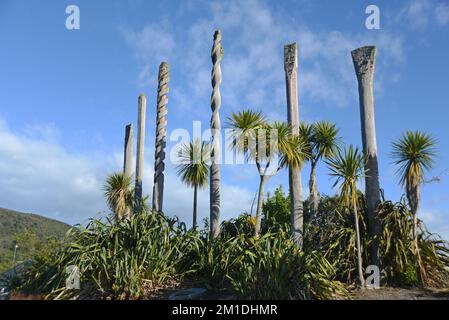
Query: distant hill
13, 222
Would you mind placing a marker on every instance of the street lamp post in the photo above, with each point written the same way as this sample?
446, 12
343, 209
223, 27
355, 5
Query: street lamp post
15, 254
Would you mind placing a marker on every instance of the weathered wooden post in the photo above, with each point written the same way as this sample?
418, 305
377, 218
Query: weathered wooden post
161, 136
128, 151
294, 173
215, 125
364, 60
128, 161
140, 152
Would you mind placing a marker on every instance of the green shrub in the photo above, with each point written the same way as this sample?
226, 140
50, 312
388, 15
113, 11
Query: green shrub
116, 259
332, 233
397, 249
211, 260
129, 258
269, 267
276, 210
408, 277
274, 268
242, 225
435, 258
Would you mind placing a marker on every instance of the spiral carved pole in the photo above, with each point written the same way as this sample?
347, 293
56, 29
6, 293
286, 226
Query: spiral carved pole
364, 60
215, 125
294, 173
128, 151
140, 152
161, 136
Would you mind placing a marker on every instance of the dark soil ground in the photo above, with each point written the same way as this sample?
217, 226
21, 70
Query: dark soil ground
367, 294
402, 294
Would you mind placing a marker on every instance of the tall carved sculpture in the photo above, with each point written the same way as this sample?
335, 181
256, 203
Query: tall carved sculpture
128, 151
140, 152
128, 162
294, 173
161, 136
215, 125
364, 60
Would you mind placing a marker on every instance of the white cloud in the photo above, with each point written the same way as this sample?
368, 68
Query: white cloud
47, 132
252, 67
152, 43
253, 70
442, 14
38, 175
421, 14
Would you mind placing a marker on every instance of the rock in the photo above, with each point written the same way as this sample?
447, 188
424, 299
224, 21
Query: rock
4, 295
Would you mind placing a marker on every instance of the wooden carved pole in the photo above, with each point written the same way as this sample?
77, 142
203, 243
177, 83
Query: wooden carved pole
215, 125
294, 173
140, 152
364, 60
128, 151
161, 136
128, 160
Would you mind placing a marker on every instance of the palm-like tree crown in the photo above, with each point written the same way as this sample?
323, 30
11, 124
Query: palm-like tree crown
194, 163
347, 168
250, 134
261, 141
119, 194
293, 149
322, 136
306, 132
247, 120
325, 139
414, 153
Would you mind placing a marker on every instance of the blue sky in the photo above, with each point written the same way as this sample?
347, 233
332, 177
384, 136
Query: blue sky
65, 96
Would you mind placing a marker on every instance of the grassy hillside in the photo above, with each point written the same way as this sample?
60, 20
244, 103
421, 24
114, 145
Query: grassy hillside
31, 231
